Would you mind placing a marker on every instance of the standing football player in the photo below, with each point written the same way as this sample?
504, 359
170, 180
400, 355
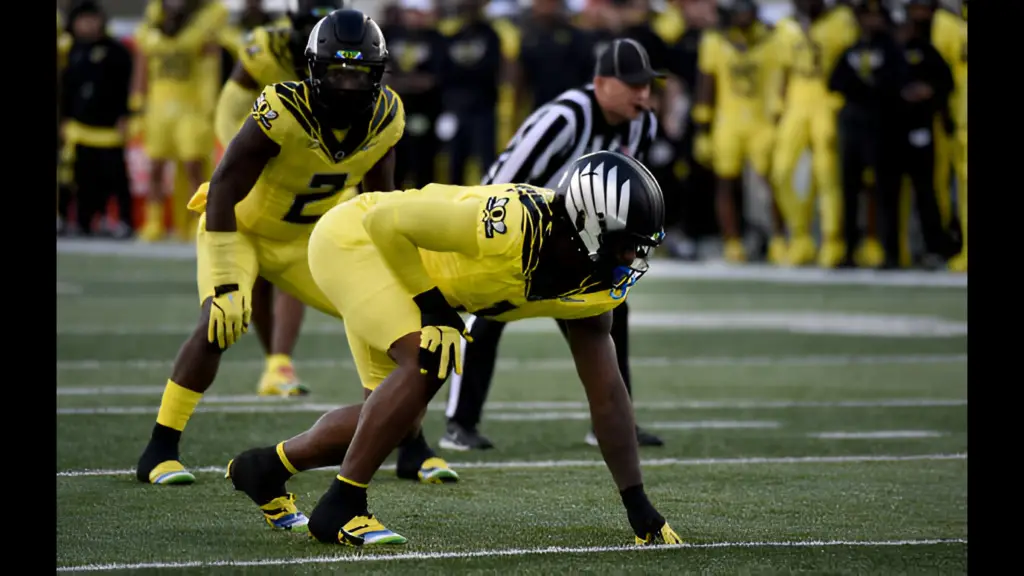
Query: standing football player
399, 266
272, 54
302, 145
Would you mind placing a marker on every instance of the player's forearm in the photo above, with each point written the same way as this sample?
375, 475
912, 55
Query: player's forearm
615, 429
400, 229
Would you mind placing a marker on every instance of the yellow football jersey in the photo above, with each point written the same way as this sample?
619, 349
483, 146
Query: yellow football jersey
501, 281
741, 72
949, 36
315, 165
808, 57
266, 57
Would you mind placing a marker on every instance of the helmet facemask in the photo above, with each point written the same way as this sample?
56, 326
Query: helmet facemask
616, 249
345, 88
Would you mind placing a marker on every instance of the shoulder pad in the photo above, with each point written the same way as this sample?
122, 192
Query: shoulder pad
276, 110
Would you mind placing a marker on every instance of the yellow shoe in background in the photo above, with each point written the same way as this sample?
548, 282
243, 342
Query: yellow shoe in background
870, 254
777, 250
832, 253
279, 378
734, 252
802, 251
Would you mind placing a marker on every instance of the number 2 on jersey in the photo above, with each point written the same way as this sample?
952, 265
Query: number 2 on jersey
326, 185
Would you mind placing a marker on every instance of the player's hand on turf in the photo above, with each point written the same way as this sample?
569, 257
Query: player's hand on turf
230, 310
440, 335
660, 535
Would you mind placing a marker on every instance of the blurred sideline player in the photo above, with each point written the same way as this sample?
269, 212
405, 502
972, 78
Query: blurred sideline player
303, 144
735, 64
398, 266
178, 41
269, 55
809, 45
948, 34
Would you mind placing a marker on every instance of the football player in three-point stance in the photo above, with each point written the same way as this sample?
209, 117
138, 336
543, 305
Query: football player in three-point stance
399, 267
302, 145
269, 55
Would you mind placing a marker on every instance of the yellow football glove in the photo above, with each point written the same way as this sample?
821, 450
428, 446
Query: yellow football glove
231, 305
440, 335
666, 535
230, 311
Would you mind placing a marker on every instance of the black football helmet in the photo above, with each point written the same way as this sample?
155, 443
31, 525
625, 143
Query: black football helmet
737, 13
303, 15
346, 55
809, 8
616, 207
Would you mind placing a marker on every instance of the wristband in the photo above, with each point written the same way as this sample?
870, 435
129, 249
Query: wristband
431, 301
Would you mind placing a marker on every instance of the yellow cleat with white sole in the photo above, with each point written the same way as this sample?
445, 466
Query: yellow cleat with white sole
777, 250
169, 473
436, 471
367, 531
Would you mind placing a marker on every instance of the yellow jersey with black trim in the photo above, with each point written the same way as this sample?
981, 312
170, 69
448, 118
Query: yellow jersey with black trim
506, 280
742, 67
808, 56
315, 164
266, 57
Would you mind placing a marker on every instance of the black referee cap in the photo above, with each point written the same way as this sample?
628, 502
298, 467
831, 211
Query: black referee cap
626, 60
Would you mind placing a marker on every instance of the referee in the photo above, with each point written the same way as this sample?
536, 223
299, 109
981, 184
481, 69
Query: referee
609, 114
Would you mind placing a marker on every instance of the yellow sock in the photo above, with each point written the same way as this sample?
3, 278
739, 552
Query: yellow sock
284, 459
177, 406
155, 213
276, 361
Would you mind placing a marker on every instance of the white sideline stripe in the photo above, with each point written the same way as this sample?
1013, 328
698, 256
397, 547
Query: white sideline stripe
879, 435
793, 322
284, 408
566, 363
715, 424
660, 268
503, 552
526, 464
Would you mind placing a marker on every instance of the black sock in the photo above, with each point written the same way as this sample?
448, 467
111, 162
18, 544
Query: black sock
164, 441
342, 502
413, 450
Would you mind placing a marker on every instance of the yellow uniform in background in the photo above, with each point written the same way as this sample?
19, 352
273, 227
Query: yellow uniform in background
807, 58
179, 100
742, 130
949, 36
265, 56
480, 245
296, 187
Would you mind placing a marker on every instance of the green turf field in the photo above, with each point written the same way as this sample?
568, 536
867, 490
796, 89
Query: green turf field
812, 428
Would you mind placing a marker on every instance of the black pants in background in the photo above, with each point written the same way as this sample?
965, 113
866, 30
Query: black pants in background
100, 173
417, 151
695, 207
468, 392
477, 137
863, 144
919, 165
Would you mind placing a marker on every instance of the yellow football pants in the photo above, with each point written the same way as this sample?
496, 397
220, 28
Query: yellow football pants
799, 128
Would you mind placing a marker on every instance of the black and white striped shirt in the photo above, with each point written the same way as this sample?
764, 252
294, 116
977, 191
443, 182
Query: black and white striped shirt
562, 130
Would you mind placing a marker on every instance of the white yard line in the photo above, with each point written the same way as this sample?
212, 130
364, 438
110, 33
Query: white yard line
713, 424
660, 268
877, 435
793, 322
504, 553
271, 407
553, 464
567, 363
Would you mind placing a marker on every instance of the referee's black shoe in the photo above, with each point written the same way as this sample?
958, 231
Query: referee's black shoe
462, 439
643, 438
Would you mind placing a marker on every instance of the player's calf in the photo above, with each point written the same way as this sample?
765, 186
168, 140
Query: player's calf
194, 371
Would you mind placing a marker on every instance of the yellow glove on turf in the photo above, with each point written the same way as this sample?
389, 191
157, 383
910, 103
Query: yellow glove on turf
664, 536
